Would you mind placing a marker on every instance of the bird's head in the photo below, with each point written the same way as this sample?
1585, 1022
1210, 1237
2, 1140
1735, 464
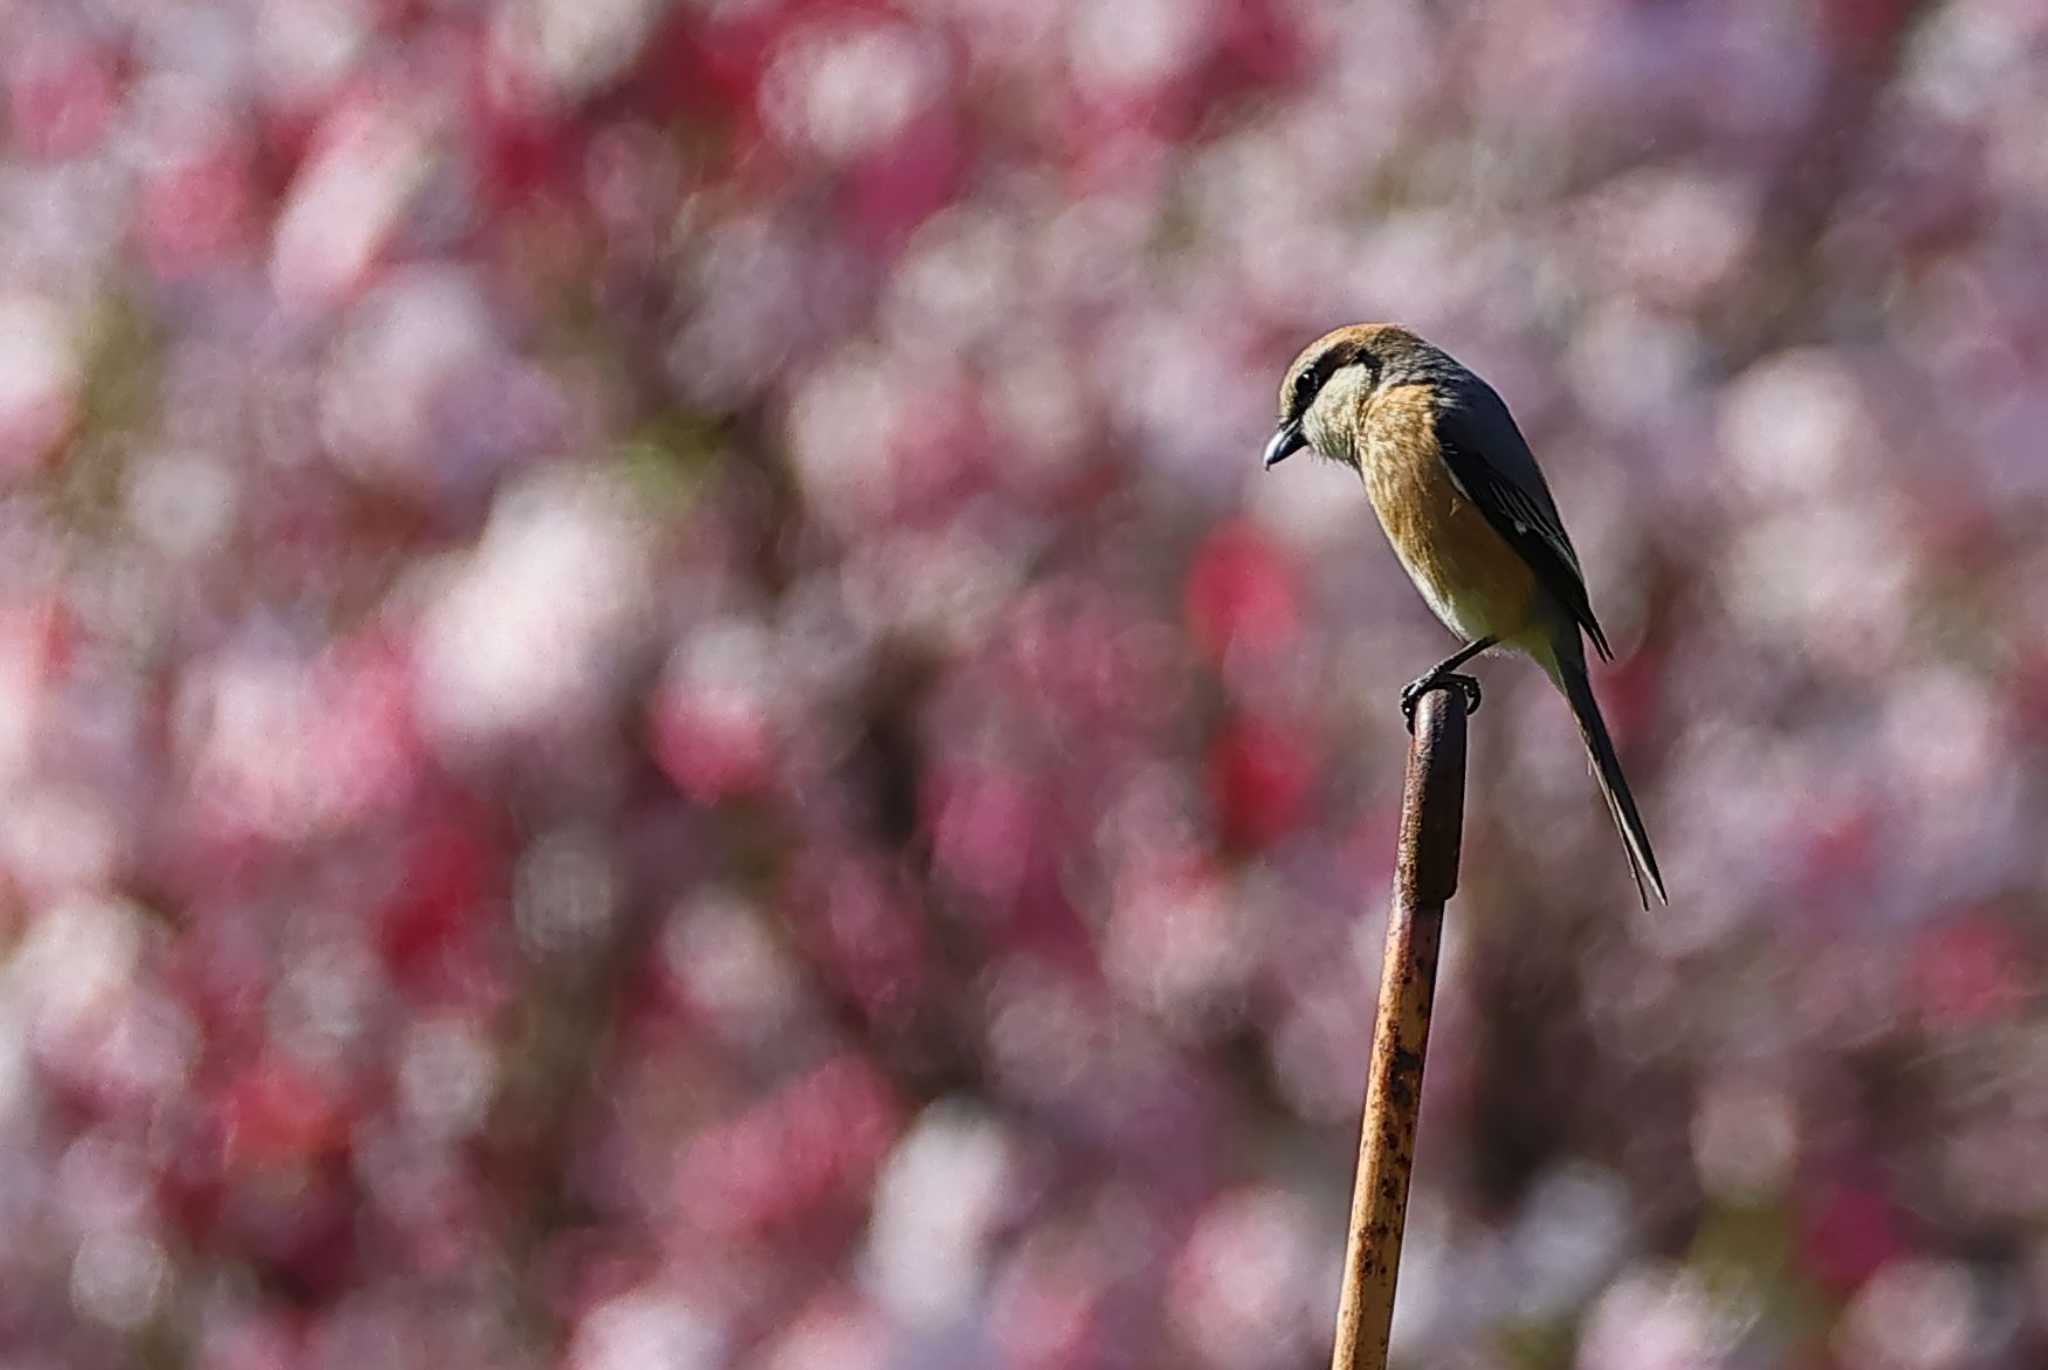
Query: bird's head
1327, 392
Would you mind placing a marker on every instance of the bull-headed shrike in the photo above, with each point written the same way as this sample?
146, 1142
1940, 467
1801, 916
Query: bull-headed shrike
1468, 513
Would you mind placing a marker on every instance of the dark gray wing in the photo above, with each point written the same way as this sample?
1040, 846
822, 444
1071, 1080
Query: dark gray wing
1492, 465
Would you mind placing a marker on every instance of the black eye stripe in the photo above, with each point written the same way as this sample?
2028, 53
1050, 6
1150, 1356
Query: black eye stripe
1312, 378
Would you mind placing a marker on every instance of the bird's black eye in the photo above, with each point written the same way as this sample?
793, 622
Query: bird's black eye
1305, 386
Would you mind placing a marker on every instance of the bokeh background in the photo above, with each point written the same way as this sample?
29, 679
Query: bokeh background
652, 713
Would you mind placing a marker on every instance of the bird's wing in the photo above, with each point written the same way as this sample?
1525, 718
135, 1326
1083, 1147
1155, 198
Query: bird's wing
1492, 466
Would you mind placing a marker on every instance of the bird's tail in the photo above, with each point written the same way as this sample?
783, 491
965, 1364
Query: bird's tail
1566, 663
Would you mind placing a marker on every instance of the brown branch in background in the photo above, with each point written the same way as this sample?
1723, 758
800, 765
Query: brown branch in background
1425, 875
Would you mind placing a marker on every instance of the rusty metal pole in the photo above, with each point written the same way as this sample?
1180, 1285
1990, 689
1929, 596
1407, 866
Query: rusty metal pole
1425, 876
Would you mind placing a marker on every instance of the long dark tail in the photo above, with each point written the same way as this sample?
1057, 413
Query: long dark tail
1567, 667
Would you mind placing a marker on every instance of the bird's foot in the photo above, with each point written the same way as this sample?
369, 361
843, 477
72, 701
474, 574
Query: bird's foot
1412, 694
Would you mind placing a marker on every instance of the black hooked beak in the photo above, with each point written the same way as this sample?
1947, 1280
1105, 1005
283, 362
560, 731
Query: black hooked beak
1285, 443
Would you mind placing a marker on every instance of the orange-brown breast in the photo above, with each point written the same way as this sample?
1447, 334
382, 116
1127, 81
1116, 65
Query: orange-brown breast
1477, 584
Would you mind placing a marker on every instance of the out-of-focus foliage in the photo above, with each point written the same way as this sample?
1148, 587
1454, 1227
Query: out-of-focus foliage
652, 713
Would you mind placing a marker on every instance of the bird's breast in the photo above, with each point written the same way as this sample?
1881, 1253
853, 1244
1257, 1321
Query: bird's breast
1473, 580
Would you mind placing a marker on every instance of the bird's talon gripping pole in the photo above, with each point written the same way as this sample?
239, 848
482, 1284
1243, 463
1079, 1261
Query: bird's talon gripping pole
1425, 876
1444, 673
1412, 693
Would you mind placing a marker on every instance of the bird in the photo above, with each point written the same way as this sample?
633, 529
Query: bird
1469, 515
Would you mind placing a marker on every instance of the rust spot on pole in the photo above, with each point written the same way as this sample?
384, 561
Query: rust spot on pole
1425, 877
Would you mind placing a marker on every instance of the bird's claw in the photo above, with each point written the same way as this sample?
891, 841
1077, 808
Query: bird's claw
1412, 694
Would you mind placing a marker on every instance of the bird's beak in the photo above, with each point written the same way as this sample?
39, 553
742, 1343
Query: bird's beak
1285, 444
